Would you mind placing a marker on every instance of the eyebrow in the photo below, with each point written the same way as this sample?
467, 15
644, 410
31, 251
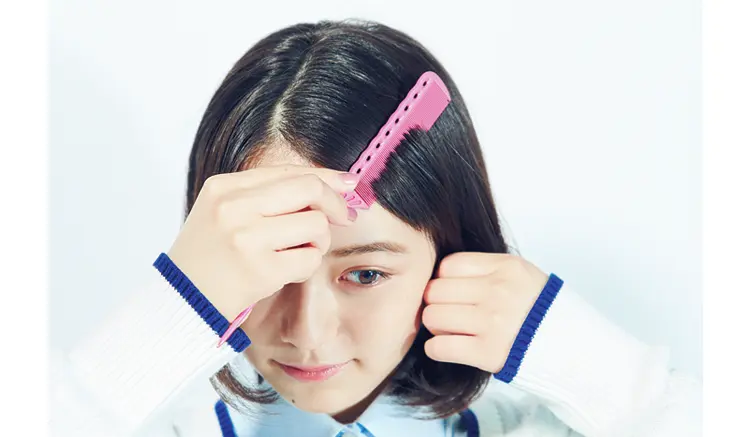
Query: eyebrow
361, 249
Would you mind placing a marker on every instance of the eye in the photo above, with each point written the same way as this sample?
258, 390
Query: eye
365, 278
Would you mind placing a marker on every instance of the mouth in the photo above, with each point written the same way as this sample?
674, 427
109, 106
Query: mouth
312, 373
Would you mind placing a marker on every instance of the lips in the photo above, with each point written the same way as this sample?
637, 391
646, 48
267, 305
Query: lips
312, 373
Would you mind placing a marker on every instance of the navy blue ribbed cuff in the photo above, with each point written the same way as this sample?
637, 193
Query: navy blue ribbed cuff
528, 329
182, 284
225, 421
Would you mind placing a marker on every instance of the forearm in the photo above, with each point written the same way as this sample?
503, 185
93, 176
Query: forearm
599, 380
139, 359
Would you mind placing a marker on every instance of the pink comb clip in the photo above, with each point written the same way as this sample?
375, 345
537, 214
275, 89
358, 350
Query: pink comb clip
420, 109
239, 320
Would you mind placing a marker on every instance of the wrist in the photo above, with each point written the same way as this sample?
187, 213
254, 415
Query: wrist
541, 305
186, 271
214, 316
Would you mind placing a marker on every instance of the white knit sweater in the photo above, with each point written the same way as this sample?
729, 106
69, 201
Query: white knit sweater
145, 373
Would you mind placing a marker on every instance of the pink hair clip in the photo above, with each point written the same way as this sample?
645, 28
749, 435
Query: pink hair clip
238, 321
420, 109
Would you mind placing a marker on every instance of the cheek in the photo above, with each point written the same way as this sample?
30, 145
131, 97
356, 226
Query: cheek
387, 319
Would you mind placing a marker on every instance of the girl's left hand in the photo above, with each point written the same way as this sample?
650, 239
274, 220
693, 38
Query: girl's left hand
476, 306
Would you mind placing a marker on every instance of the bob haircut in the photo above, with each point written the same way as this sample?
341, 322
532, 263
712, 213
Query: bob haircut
325, 89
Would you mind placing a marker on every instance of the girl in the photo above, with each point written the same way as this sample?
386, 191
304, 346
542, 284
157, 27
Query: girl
408, 319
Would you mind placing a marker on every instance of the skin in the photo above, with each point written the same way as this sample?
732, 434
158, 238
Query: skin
336, 288
373, 275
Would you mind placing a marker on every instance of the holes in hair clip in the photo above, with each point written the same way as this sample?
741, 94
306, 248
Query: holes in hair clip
396, 122
406, 108
368, 158
415, 95
359, 170
424, 83
387, 133
377, 146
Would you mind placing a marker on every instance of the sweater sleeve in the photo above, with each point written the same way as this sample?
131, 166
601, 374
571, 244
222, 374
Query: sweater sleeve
117, 381
587, 376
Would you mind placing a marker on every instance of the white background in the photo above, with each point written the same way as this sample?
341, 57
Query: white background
589, 114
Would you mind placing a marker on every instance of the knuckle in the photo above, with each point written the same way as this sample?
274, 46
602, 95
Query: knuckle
313, 184
446, 261
494, 321
312, 261
320, 221
479, 322
433, 348
429, 316
494, 284
429, 348
325, 242
237, 241
430, 293
514, 262
316, 257
212, 185
246, 243
221, 214
451, 262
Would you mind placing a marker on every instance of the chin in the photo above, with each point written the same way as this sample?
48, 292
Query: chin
343, 395
325, 401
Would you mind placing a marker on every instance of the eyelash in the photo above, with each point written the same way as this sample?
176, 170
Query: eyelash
379, 274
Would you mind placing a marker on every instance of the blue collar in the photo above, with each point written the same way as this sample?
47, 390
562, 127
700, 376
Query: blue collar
382, 418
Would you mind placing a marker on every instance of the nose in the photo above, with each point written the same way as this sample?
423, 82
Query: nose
310, 315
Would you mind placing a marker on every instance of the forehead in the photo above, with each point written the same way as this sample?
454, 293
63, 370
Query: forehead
372, 225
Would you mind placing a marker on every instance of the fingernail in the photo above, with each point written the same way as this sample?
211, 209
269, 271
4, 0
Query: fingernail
352, 214
349, 178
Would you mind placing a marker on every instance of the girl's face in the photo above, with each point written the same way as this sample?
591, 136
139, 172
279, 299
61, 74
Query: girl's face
326, 345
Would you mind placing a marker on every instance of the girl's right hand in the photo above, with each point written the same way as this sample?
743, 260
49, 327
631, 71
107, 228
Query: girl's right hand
252, 232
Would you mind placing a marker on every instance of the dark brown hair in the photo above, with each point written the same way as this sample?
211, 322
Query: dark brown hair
326, 89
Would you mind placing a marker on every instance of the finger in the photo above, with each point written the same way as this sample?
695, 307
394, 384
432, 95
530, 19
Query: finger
459, 349
299, 264
297, 229
282, 197
472, 290
339, 181
462, 264
306, 191
454, 319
